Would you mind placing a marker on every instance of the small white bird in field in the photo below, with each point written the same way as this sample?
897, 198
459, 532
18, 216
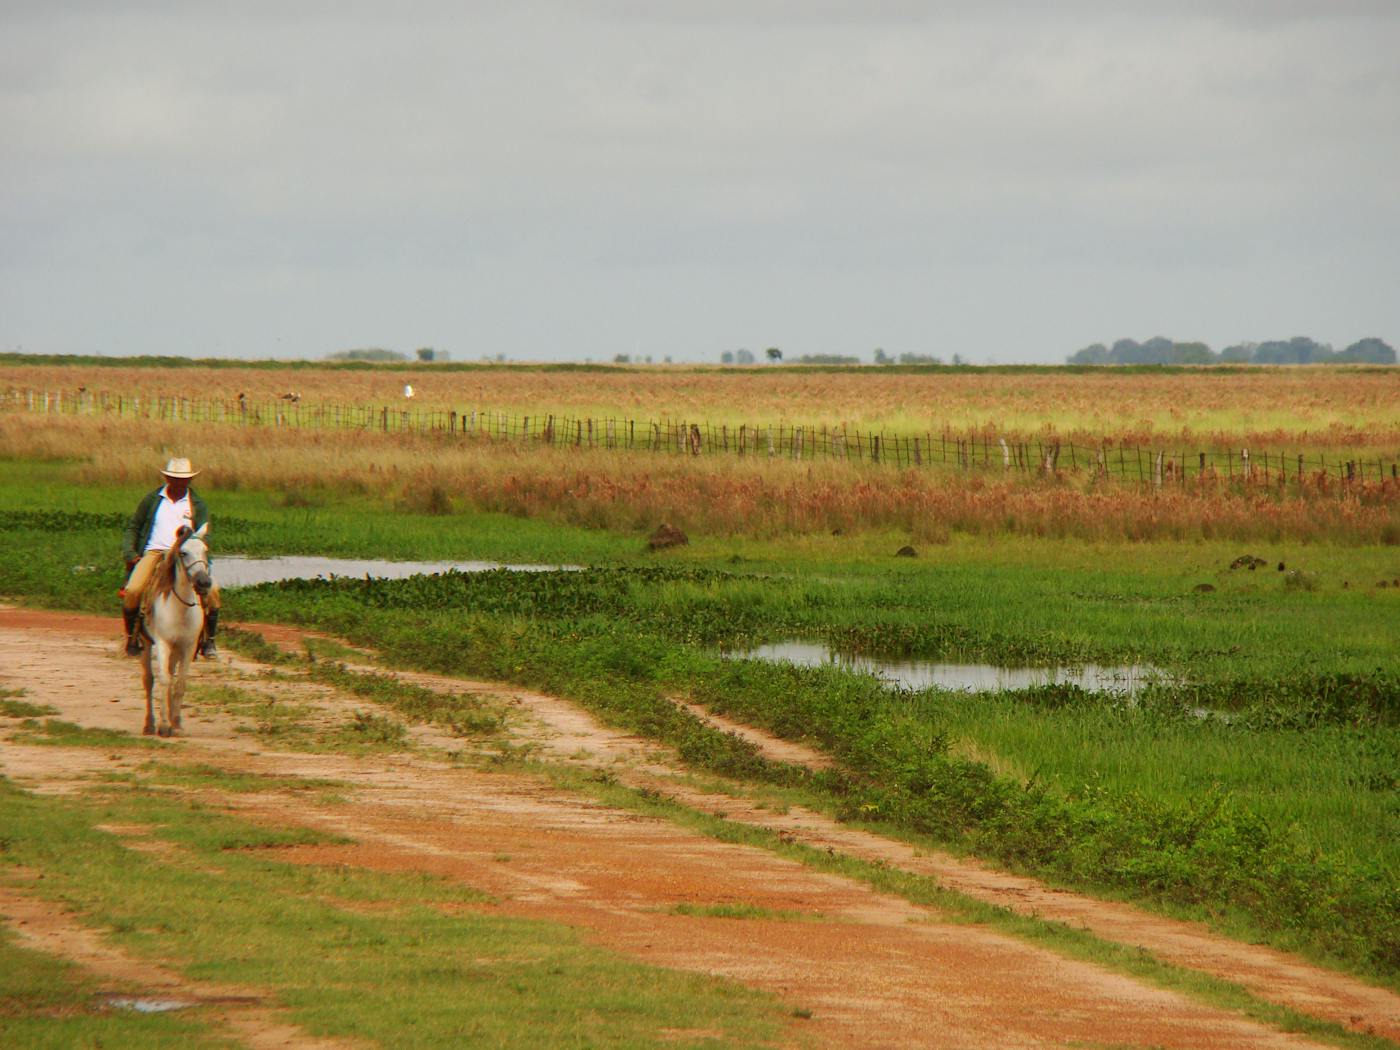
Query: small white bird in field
408, 390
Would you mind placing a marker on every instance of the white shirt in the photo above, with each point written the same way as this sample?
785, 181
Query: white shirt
170, 515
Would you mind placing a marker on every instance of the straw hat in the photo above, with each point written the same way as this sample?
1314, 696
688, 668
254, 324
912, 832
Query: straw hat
179, 467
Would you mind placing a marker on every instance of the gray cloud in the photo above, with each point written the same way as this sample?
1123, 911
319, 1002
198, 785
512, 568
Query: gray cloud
568, 181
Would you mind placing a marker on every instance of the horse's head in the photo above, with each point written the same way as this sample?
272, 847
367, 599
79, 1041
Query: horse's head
194, 556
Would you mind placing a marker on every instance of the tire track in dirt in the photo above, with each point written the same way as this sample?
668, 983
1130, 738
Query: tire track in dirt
874, 969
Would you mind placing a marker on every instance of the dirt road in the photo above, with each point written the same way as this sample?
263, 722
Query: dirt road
878, 972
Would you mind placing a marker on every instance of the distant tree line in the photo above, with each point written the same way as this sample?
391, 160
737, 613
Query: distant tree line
747, 357
380, 355
882, 358
1300, 350
372, 353
826, 359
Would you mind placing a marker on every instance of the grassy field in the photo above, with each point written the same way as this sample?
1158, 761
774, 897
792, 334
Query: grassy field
1276, 817
1284, 409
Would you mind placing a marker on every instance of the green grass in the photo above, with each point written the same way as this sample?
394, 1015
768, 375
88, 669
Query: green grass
47, 1004
58, 733
1334, 785
1284, 821
202, 775
425, 958
463, 714
24, 709
289, 725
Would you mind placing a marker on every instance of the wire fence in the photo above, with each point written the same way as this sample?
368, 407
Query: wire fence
978, 450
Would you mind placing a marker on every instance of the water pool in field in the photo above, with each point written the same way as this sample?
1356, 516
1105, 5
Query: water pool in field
237, 571
963, 677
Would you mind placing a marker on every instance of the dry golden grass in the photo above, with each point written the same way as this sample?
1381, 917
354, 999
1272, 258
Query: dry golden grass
754, 496
1279, 408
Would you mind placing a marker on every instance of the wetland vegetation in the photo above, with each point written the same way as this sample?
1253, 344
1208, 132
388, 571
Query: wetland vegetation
1278, 822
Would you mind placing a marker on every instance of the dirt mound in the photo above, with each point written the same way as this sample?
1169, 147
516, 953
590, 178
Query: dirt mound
667, 536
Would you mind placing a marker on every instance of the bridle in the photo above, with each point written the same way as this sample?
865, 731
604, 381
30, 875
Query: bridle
188, 572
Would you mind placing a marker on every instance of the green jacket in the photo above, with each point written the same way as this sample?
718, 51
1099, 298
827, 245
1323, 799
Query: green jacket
138, 529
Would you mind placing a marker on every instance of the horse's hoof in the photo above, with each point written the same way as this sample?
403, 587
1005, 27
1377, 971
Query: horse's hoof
164, 731
148, 730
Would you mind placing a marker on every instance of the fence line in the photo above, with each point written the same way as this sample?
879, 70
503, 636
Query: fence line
971, 450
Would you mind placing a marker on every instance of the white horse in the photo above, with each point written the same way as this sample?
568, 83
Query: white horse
174, 619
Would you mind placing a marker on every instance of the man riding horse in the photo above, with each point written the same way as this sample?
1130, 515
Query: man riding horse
149, 534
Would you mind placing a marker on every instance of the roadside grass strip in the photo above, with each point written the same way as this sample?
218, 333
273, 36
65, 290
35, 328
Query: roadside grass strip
56, 732
11, 708
203, 775
740, 910
289, 725
427, 964
461, 714
50, 1004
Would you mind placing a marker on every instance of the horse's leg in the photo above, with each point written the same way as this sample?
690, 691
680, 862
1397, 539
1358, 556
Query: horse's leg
179, 674
163, 657
148, 680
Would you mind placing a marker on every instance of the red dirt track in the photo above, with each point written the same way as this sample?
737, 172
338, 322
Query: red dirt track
873, 969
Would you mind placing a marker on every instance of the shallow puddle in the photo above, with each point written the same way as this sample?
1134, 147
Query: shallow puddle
970, 678
236, 571
149, 1006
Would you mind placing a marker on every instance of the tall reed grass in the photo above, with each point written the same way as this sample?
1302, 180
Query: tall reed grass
749, 497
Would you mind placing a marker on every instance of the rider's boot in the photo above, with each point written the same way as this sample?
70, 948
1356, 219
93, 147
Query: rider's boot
211, 624
132, 619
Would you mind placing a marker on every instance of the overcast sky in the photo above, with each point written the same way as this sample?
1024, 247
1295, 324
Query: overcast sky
561, 181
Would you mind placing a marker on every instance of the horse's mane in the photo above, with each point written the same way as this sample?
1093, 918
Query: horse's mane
163, 580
